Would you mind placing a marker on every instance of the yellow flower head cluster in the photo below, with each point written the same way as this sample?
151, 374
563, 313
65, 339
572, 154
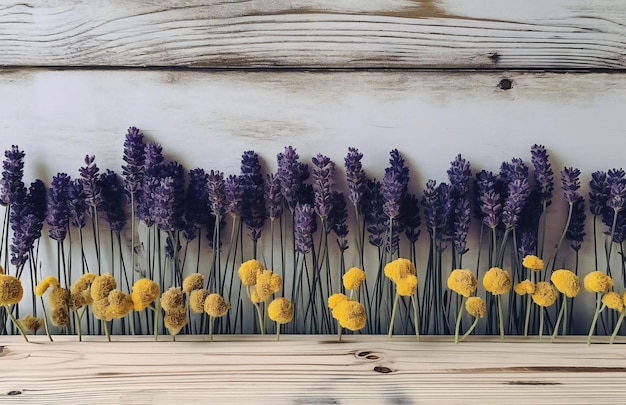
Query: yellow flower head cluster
46, 283
524, 287
11, 290
545, 294
144, 293
171, 299
463, 282
31, 323
566, 282
350, 315
335, 299
399, 269
175, 319
267, 283
80, 292
196, 300
215, 305
60, 317
193, 282
59, 300
598, 282
102, 286
476, 307
248, 272
497, 281
280, 310
613, 300
407, 286
120, 304
353, 278
533, 263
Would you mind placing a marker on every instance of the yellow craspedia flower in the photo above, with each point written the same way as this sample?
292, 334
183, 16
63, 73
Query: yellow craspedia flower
102, 286
99, 309
280, 310
60, 317
59, 298
44, 284
196, 300
566, 282
215, 305
398, 269
144, 293
1, 270
524, 287
172, 298
276, 282
613, 300
84, 282
11, 290
254, 296
192, 282
79, 299
497, 281
353, 278
120, 304
597, 282
476, 307
264, 287
31, 323
335, 299
463, 282
533, 263
248, 272
545, 294
351, 315
175, 319
406, 287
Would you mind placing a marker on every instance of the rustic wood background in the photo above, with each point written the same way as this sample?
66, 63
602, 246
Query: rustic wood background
210, 79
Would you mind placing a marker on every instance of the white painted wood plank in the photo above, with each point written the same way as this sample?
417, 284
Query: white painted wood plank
317, 34
310, 369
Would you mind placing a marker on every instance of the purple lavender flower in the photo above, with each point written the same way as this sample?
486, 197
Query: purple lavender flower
576, 230
617, 189
485, 181
570, 182
177, 172
516, 169
459, 175
429, 204
163, 205
198, 211
91, 182
22, 225
273, 197
544, 176
373, 214
37, 203
598, 193
355, 176
77, 203
217, 195
528, 223
397, 164
253, 208
233, 188
410, 211
190, 231
151, 180
12, 189
518, 191
339, 218
290, 175
170, 250
461, 225
323, 171
135, 158
58, 216
304, 224
491, 208
392, 193
113, 200
526, 243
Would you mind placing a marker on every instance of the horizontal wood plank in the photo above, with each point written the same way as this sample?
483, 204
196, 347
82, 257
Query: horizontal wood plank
315, 34
310, 369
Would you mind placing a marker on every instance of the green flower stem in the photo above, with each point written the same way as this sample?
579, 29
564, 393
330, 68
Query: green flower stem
260, 316
16, 323
599, 308
277, 331
156, 310
527, 319
500, 317
393, 314
558, 320
78, 319
339, 328
45, 320
617, 325
106, 330
415, 316
540, 322
211, 322
458, 320
466, 334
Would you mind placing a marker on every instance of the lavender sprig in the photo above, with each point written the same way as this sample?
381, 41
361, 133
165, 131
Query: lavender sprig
461, 225
373, 213
91, 182
355, 176
459, 175
26, 221
392, 193
135, 158
576, 229
323, 171
518, 191
410, 211
151, 179
77, 203
58, 216
291, 176
253, 208
339, 218
198, 211
163, 204
598, 193
217, 195
273, 197
570, 183
113, 200
12, 189
234, 190
304, 227
544, 176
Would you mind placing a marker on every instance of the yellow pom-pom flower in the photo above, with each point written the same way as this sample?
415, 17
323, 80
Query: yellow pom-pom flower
120, 304
351, 315
398, 269
196, 300
99, 309
46, 283
31, 323
280, 310
215, 305
84, 282
406, 287
60, 317
276, 282
59, 298
193, 282
353, 278
248, 272
336, 299
11, 290
497, 281
175, 319
144, 293
524, 287
613, 300
533, 263
545, 294
598, 282
566, 282
463, 282
172, 298
264, 286
102, 286
476, 307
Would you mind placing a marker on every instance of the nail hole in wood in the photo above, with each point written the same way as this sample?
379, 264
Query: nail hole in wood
12, 393
495, 57
372, 357
382, 369
505, 84
363, 354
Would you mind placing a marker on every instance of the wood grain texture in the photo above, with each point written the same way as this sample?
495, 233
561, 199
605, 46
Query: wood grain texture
315, 34
310, 370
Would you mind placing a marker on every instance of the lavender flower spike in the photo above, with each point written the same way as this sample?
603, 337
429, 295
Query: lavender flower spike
77, 203
459, 175
91, 182
355, 176
544, 176
217, 195
392, 193
491, 208
617, 190
135, 158
273, 197
598, 193
198, 211
518, 191
323, 170
58, 206
233, 188
570, 183
113, 196
304, 226
12, 189
576, 230
290, 175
